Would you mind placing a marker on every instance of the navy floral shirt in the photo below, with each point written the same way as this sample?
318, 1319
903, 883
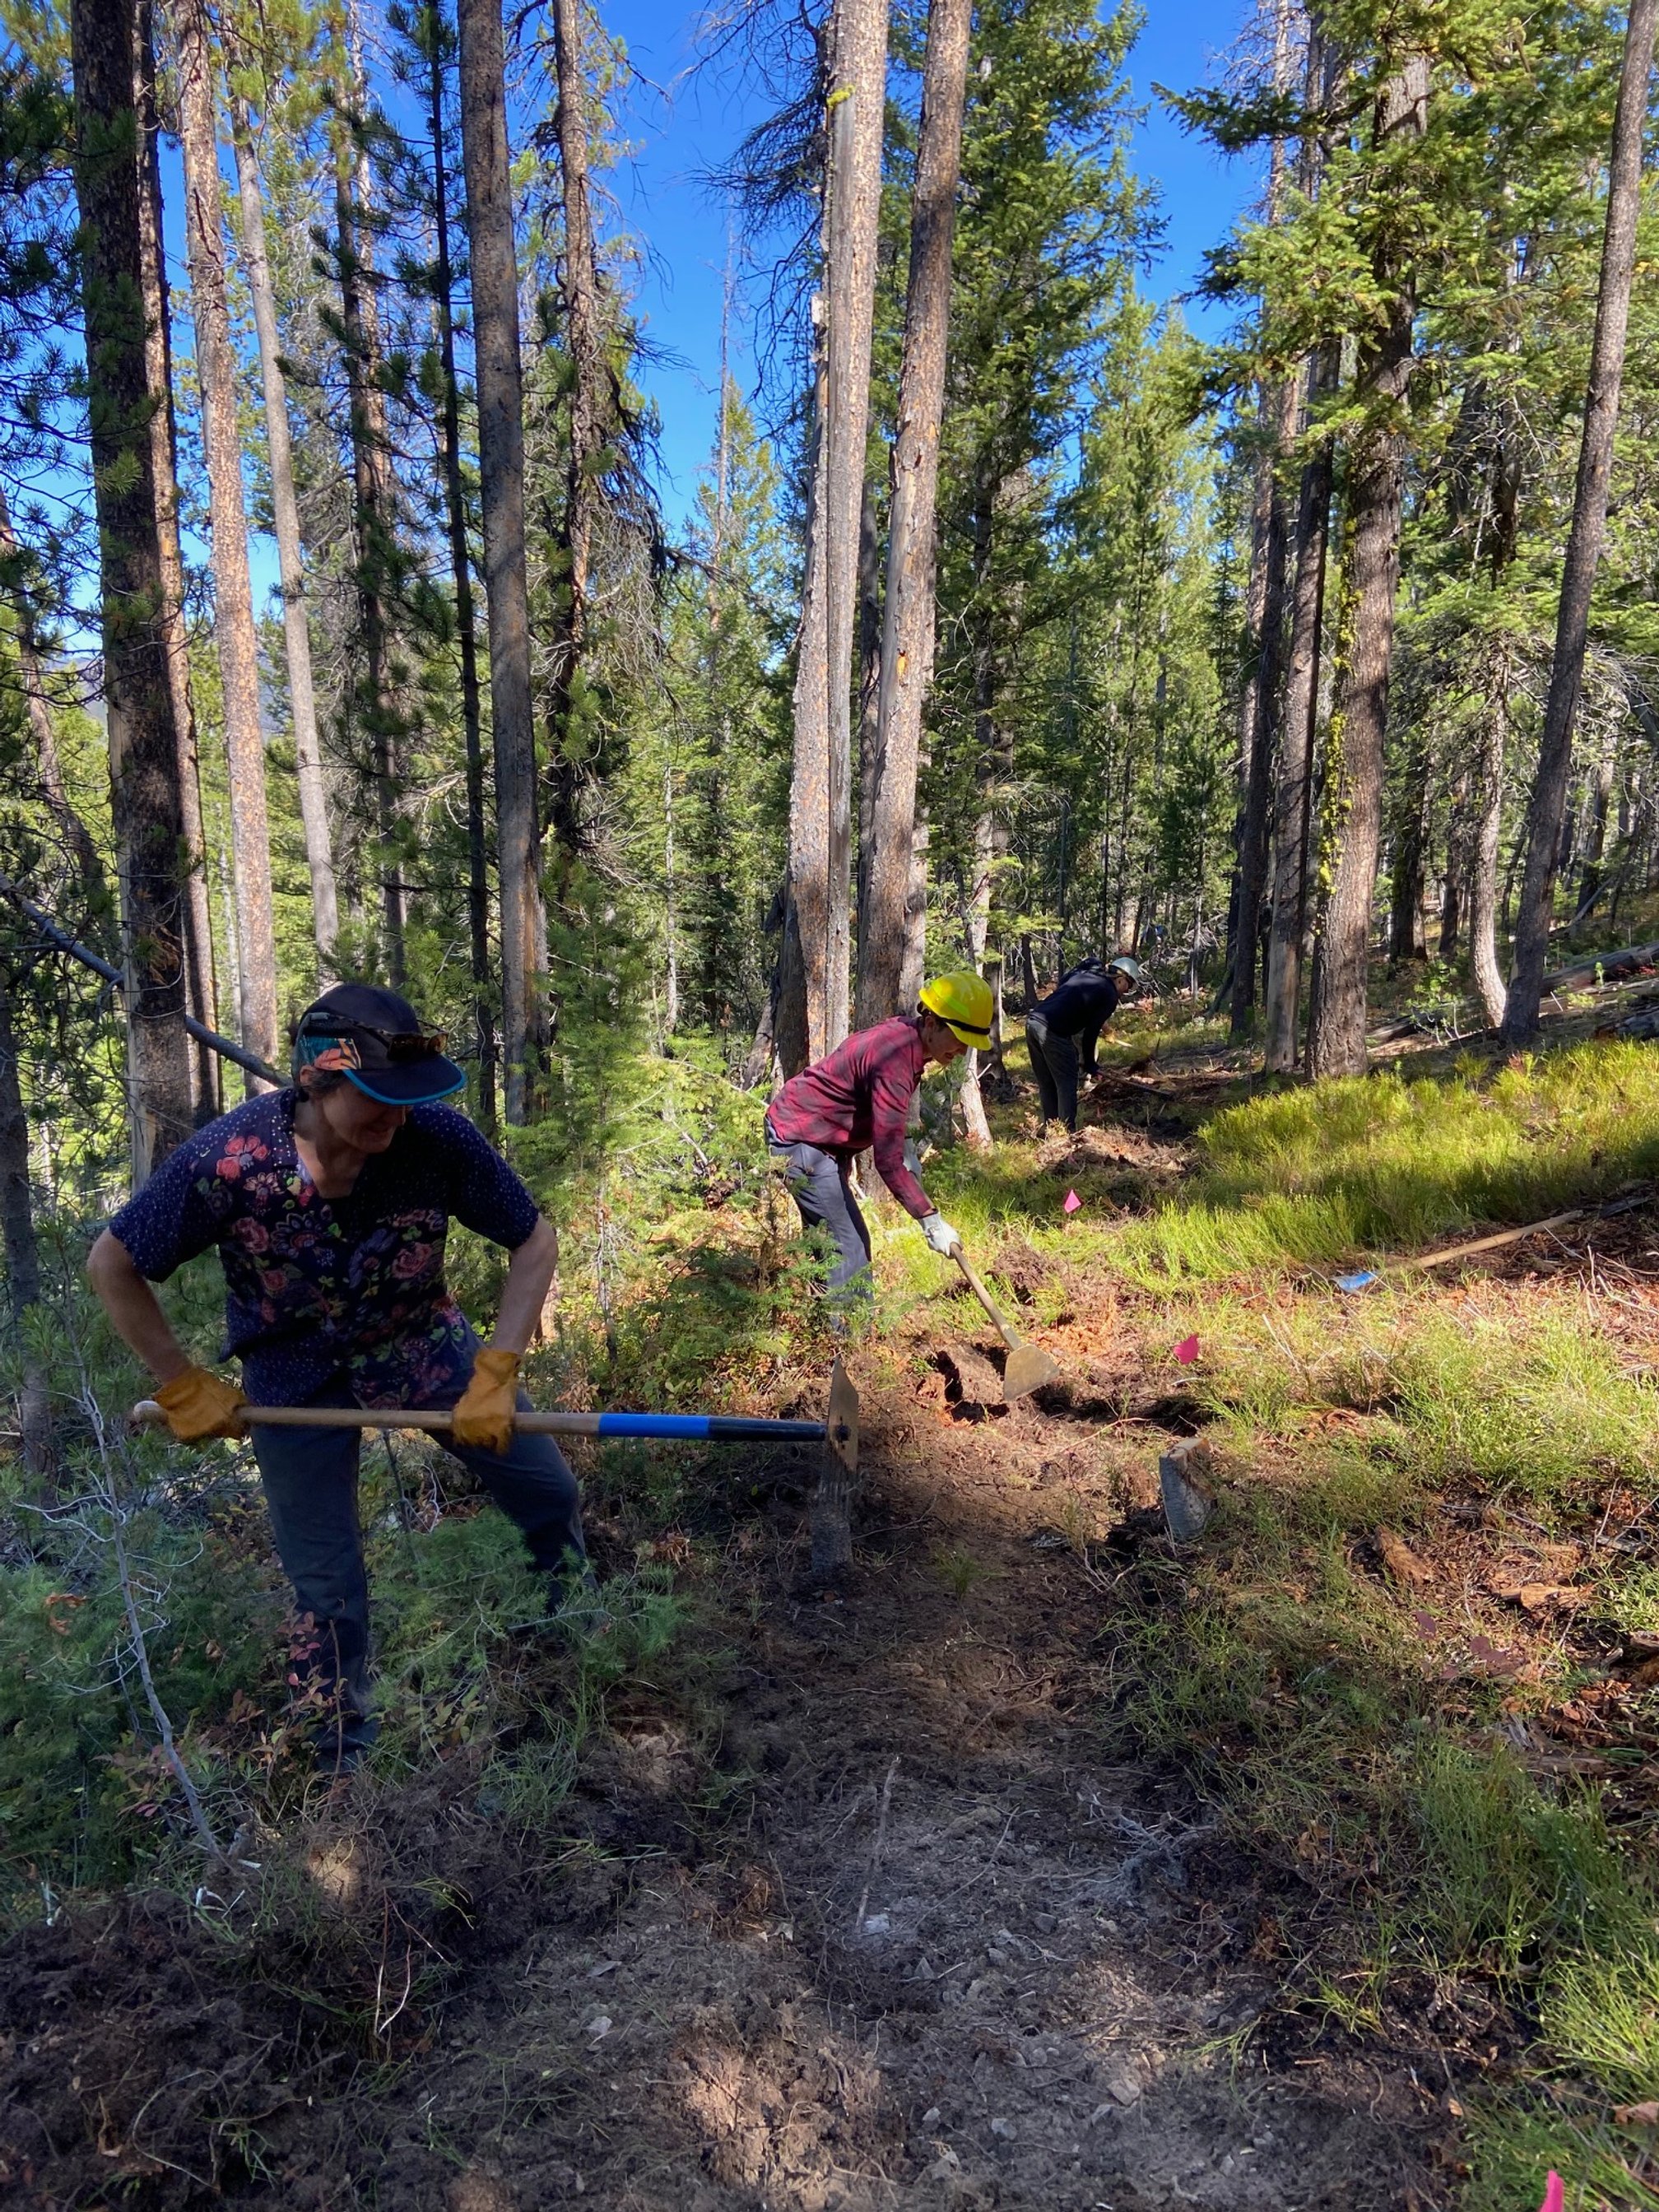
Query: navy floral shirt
318, 1288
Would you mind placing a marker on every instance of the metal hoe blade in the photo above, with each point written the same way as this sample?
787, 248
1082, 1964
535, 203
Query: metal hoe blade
1029, 1367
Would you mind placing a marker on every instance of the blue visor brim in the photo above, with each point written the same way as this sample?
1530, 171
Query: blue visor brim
419, 1083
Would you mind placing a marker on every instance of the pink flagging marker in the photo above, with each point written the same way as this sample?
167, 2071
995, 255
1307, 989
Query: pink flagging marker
1073, 1202
1555, 2196
1186, 1351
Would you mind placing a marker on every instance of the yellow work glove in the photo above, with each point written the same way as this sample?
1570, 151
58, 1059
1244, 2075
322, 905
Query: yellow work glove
483, 1419
199, 1404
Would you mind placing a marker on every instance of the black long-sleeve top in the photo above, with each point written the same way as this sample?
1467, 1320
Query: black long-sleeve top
1080, 1006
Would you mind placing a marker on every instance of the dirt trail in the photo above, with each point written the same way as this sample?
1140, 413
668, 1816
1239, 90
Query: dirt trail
935, 1950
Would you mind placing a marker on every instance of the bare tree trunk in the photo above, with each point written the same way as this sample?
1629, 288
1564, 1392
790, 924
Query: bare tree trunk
1590, 880
233, 592
1487, 815
460, 567
376, 709
1259, 707
285, 506
993, 750
201, 988
1296, 751
1406, 938
1336, 1025
1589, 512
869, 684
589, 412
818, 929
907, 647
501, 458
144, 736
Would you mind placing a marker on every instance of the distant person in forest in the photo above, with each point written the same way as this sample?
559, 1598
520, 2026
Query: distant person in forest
1063, 1029
329, 1202
860, 1096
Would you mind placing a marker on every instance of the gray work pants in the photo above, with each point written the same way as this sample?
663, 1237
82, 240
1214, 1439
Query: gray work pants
310, 1477
818, 1182
1054, 1064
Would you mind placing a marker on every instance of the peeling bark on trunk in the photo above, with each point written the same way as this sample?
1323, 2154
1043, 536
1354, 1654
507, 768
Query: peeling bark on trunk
889, 892
144, 736
818, 926
501, 457
1337, 1016
285, 506
1589, 512
233, 592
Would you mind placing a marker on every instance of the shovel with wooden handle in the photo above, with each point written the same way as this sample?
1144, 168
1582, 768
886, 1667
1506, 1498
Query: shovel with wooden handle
1029, 1367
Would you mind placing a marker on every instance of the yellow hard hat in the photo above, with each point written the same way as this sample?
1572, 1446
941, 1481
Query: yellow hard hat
962, 1002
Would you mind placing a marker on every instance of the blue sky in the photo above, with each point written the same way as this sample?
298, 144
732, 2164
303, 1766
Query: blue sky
695, 121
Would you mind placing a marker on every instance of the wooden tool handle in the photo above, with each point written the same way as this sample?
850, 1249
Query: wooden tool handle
985, 1300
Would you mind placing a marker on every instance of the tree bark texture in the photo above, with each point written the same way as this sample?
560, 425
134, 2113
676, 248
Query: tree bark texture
460, 563
908, 620
1259, 707
374, 705
232, 592
570, 769
1294, 784
201, 983
818, 929
143, 736
1585, 536
500, 459
1337, 1017
285, 506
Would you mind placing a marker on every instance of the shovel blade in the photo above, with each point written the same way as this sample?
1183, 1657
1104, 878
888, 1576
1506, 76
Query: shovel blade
1029, 1367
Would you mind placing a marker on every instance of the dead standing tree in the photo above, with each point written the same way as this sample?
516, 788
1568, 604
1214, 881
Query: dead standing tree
888, 865
285, 509
143, 737
813, 983
232, 592
501, 459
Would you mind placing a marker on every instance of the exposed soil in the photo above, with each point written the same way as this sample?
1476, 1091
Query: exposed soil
852, 1907
862, 1917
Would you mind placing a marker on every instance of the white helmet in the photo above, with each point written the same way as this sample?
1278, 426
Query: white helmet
1131, 970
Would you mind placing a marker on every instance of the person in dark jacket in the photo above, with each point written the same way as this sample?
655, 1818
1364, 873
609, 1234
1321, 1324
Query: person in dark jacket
1063, 1029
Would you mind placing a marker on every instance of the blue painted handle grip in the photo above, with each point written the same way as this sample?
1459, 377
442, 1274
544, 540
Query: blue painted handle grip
710, 1428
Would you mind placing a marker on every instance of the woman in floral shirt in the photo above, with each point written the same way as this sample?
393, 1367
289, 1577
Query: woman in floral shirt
330, 1203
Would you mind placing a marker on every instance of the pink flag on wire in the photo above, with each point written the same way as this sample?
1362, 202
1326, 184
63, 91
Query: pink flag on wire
1555, 2196
1186, 1351
1073, 1202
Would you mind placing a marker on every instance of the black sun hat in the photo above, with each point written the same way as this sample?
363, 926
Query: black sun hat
378, 1042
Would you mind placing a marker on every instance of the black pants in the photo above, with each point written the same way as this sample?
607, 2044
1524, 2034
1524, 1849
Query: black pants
819, 1184
1054, 1064
310, 1478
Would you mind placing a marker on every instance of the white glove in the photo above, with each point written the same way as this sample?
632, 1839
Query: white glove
940, 1235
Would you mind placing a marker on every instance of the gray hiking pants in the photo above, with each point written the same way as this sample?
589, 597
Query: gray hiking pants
819, 1184
1054, 1064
